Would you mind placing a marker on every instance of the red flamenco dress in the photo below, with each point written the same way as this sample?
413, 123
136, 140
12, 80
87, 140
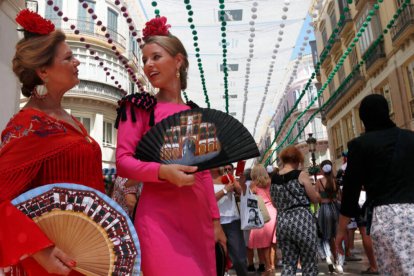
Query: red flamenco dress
36, 150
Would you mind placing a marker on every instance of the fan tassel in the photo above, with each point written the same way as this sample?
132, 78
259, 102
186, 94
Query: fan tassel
133, 118
152, 118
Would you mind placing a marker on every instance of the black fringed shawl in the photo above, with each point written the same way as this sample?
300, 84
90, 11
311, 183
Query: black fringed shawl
143, 101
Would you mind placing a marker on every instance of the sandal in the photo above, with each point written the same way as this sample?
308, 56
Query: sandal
369, 272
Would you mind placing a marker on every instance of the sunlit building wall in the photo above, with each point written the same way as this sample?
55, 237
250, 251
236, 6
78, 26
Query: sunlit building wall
318, 130
388, 70
10, 90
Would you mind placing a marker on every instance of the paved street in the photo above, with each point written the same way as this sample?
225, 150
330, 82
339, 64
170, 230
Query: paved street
351, 268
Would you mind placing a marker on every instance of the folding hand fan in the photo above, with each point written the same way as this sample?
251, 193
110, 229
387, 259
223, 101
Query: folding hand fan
201, 137
87, 225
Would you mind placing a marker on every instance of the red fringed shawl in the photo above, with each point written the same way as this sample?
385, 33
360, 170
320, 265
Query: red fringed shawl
35, 150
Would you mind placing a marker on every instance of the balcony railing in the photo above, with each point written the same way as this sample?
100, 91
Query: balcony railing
375, 54
347, 19
402, 23
348, 84
91, 29
94, 89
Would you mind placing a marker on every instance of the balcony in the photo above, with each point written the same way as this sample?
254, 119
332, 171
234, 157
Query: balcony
374, 58
359, 4
89, 29
96, 91
346, 22
349, 85
403, 26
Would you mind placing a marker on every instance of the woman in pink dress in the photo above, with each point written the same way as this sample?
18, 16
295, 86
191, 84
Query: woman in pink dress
177, 217
263, 238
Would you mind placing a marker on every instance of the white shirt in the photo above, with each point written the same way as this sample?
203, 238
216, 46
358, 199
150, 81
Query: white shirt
227, 206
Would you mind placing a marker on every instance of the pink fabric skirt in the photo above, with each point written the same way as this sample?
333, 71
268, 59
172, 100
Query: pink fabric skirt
264, 237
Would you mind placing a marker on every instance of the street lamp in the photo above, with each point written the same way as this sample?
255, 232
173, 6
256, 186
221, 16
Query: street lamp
311, 141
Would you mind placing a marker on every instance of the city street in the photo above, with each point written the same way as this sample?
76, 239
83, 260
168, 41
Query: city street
350, 268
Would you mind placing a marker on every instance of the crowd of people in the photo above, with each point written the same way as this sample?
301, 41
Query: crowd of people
180, 213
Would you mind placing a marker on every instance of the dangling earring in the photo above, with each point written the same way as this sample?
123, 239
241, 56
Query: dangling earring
40, 91
177, 75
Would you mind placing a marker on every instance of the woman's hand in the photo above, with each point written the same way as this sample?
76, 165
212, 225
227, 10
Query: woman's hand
131, 201
219, 235
179, 175
237, 187
54, 260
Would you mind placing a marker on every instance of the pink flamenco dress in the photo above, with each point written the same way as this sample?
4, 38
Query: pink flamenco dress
265, 236
174, 225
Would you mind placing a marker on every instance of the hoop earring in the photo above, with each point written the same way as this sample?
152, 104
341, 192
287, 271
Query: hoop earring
40, 91
177, 75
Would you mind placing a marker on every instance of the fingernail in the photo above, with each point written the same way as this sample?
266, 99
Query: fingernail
72, 263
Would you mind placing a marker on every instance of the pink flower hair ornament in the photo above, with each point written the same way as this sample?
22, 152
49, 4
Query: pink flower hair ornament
156, 26
34, 23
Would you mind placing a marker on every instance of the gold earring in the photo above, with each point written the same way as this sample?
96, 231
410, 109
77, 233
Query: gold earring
177, 75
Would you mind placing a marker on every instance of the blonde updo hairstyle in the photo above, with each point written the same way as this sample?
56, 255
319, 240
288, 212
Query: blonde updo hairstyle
260, 176
173, 46
34, 53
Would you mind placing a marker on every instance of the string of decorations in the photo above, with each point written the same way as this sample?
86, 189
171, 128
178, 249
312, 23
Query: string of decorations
109, 40
251, 55
332, 74
190, 20
291, 79
222, 19
272, 63
365, 57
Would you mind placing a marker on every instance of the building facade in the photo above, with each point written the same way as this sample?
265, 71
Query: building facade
304, 69
382, 62
8, 39
104, 77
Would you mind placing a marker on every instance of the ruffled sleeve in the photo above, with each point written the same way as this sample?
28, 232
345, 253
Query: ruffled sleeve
130, 133
19, 235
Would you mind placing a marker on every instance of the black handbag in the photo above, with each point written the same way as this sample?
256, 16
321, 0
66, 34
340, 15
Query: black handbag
220, 260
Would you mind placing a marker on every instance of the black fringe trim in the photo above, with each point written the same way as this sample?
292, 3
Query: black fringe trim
143, 101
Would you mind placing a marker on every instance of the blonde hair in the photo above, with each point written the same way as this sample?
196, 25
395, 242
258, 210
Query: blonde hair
174, 47
260, 176
33, 53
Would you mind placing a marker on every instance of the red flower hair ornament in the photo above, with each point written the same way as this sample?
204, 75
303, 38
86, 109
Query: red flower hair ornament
156, 26
34, 23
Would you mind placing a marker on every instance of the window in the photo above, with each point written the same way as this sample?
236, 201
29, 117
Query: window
331, 87
372, 30
113, 23
385, 91
341, 74
86, 122
317, 128
85, 23
108, 133
52, 15
332, 15
311, 92
349, 128
410, 77
337, 140
299, 128
324, 37
353, 57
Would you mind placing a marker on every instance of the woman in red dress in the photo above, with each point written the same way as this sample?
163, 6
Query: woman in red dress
41, 144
